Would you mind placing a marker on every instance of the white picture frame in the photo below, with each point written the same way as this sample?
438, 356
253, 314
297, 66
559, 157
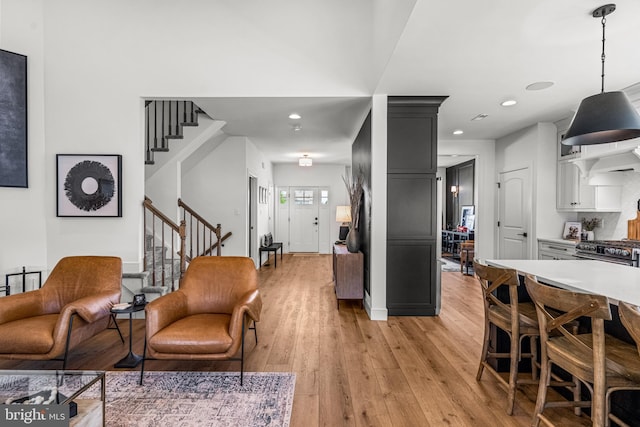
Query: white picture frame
572, 230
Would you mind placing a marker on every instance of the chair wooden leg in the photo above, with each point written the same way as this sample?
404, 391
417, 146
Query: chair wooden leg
485, 350
513, 372
545, 377
533, 343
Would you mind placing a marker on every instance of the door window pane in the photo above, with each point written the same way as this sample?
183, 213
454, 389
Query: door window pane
324, 197
303, 197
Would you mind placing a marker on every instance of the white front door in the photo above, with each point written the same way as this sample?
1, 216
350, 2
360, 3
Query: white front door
303, 226
515, 214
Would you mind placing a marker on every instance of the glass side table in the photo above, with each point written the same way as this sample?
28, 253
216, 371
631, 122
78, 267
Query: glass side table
83, 392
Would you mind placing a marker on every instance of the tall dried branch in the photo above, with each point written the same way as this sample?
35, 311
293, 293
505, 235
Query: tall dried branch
356, 190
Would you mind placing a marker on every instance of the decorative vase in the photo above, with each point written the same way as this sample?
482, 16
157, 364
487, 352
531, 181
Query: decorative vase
353, 240
590, 235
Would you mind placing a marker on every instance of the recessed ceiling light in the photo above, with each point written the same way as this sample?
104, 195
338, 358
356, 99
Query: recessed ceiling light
458, 132
295, 116
539, 85
508, 102
480, 116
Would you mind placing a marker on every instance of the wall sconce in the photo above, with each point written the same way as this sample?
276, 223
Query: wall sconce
454, 190
305, 161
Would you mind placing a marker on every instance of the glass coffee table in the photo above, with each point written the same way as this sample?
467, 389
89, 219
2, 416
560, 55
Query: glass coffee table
78, 394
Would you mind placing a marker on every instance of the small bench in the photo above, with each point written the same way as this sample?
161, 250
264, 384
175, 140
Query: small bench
273, 247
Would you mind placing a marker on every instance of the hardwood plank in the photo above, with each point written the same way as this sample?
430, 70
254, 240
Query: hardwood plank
351, 371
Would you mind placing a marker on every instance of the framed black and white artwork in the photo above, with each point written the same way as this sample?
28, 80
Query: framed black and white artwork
13, 120
89, 185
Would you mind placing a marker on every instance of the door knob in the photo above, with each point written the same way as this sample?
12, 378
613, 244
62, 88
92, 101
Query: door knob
523, 234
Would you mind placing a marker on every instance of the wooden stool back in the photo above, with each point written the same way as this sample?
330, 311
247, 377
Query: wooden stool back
516, 319
603, 363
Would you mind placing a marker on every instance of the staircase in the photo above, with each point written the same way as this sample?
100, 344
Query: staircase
165, 121
169, 246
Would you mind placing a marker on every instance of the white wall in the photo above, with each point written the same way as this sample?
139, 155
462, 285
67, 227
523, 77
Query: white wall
321, 175
485, 189
376, 302
216, 187
22, 210
536, 148
261, 168
103, 58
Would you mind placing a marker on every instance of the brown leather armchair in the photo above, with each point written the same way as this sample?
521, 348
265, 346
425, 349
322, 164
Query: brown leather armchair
73, 305
207, 317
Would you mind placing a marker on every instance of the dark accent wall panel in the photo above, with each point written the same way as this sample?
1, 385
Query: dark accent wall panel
409, 202
412, 149
361, 162
409, 296
462, 175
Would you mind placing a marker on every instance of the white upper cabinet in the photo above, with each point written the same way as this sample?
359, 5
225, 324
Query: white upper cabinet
575, 194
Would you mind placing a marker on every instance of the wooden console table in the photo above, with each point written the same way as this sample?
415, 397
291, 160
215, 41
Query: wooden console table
348, 274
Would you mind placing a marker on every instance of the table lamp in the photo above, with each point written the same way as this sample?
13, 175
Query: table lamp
343, 215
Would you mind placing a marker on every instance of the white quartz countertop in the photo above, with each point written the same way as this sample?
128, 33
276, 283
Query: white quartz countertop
615, 281
558, 241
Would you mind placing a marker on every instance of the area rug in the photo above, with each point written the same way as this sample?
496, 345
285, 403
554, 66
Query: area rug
199, 399
449, 265
188, 399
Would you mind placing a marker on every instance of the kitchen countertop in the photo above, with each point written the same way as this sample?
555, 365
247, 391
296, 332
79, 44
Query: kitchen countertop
558, 241
615, 281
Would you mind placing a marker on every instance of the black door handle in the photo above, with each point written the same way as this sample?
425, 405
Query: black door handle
523, 234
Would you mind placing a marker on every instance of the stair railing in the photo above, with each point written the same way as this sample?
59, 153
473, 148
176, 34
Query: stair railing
165, 120
201, 234
165, 235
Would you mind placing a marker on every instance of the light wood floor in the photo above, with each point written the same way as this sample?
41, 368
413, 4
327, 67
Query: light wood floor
351, 371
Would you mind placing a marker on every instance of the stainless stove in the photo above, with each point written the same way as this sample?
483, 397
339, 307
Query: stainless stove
625, 252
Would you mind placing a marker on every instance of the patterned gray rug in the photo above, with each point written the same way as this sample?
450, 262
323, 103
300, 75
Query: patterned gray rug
199, 399
449, 265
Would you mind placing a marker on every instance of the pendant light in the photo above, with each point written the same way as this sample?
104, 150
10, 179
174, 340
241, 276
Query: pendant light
607, 116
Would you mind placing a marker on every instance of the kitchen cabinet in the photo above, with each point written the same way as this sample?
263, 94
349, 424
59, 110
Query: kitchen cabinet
575, 194
555, 249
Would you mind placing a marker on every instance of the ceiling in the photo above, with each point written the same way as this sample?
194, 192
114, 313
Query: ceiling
476, 53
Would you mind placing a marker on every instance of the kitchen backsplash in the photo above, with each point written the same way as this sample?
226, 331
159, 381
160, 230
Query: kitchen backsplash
615, 223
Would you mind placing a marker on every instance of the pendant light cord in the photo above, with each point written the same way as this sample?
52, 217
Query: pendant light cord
604, 21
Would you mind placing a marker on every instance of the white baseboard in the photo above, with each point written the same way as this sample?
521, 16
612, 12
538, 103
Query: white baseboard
375, 313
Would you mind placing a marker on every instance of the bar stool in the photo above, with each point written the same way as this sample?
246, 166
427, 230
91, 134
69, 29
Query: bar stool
603, 369
630, 317
517, 319
467, 253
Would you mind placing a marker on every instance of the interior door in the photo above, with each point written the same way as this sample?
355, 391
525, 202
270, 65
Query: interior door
252, 244
515, 214
304, 219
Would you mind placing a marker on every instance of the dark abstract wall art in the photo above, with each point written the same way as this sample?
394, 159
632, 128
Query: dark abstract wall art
13, 119
89, 185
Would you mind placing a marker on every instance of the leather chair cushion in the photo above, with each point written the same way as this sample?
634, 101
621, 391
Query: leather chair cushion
33, 335
195, 334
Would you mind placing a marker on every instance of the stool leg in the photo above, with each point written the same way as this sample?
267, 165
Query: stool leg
513, 373
533, 342
545, 376
485, 350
